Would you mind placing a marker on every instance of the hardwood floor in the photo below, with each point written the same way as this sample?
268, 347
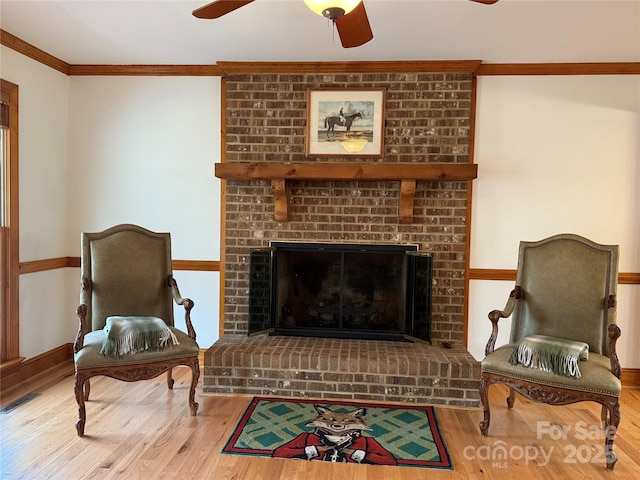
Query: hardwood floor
143, 431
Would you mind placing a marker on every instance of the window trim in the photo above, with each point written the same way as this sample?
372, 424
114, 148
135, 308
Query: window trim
10, 359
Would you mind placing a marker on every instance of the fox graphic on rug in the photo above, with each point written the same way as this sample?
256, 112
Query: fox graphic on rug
337, 437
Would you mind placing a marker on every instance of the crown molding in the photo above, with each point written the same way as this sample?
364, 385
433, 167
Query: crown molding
219, 69
147, 70
33, 52
620, 68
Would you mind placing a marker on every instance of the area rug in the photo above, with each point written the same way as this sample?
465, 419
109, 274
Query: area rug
340, 431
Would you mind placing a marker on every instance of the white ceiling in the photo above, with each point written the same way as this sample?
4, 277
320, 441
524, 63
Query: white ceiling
165, 32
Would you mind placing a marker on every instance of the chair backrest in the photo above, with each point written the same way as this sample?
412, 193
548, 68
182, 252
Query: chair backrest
566, 282
126, 271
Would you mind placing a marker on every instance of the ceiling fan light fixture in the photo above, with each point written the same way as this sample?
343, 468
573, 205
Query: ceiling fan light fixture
332, 9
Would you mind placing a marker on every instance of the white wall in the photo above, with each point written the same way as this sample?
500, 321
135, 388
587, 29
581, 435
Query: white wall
43, 190
142, 151
555, 154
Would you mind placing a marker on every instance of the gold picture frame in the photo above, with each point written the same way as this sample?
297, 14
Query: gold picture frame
345, 122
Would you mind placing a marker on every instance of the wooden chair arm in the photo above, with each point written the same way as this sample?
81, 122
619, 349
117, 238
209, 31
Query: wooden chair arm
81, 311
496, 315
186, 302
614, 334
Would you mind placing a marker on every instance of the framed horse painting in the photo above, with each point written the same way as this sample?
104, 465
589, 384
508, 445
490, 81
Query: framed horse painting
345, 122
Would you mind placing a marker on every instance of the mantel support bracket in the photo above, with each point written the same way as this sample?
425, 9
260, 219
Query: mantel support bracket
407, 194
281, 199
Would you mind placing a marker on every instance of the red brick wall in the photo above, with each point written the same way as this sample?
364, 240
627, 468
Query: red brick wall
427, 119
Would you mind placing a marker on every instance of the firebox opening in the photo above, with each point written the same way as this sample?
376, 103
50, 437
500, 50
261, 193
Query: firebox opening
342, 291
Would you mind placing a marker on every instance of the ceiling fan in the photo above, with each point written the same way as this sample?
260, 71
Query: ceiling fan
349, 16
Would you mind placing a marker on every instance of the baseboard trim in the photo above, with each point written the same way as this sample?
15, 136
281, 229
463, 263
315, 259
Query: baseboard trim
38, 364
10, 367
631, 377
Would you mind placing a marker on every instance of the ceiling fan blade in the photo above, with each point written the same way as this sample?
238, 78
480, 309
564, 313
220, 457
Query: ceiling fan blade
486, 2
219, 8
354, 28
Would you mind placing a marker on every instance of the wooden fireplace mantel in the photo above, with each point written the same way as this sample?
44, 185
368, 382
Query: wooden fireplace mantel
408, 174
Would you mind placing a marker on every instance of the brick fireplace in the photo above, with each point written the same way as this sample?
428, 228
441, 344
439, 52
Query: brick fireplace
427, 121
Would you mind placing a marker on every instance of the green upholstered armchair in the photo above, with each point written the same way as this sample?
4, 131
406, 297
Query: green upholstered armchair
126, 272
565, 289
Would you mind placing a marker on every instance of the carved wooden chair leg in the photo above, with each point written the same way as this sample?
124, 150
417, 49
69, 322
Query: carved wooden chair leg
170, 380
82, 412
484, 399
195, 375
604, 417
511, 399
87, 389
610, 435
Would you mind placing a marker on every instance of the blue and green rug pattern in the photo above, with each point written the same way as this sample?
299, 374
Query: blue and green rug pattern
341, 431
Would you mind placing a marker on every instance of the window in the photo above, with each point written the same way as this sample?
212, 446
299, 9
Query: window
9, 313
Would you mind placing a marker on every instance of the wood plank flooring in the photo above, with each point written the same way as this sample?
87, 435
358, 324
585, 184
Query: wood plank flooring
144, 431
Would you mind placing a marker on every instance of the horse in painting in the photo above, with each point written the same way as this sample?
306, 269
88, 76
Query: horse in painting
331, 122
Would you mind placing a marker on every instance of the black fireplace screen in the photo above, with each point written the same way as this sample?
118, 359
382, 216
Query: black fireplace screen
340, 290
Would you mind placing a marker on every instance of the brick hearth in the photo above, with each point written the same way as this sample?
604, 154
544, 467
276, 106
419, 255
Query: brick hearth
342, 368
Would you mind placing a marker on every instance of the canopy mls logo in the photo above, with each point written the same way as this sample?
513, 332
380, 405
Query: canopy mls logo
498, 454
